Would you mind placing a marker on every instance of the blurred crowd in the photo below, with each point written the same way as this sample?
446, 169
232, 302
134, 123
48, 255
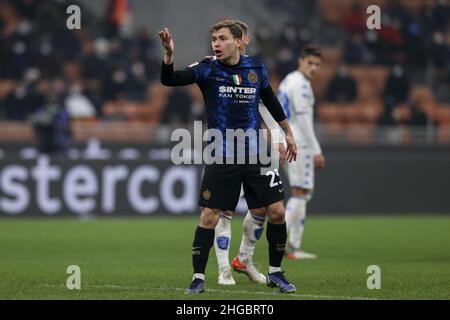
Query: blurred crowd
397, 75
104, 71
38, 53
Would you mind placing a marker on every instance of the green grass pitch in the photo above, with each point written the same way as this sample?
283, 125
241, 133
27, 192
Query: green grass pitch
150, 258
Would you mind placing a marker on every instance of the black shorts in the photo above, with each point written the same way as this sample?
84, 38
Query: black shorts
221, 186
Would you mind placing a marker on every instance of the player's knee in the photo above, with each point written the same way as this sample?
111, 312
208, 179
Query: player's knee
259, 212
276, 213
227, 213
209, 218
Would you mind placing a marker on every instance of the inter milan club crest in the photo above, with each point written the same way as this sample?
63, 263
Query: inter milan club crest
252, 77
206, 194
237, 79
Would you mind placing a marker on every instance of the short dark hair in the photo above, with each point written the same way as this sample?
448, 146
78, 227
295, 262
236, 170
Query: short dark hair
311, 50
243, 26
235, 29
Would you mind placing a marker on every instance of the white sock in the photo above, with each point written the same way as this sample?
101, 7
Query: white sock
222, 239
295, 219
253, 227
274, 269
199, 276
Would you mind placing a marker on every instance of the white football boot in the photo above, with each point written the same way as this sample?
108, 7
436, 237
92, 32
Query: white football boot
248, 269
226, 278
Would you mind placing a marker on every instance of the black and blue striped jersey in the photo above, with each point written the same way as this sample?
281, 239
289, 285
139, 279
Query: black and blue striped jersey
232, 94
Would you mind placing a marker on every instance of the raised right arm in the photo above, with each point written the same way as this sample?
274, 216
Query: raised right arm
172, 78
169, 77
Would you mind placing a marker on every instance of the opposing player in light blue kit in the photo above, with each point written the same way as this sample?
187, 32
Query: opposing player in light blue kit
297, 98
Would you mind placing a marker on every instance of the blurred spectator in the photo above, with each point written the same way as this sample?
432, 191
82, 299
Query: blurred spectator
116, 84
78, 105
95, 59
391, 40
15, 42
440, 15
373, 43
264, 37
397, 86
51, 124
93, 91
414, 34
292, 38
355, 20
178, 108
287, 61
404, 114
104, 63
355, 50
398, 107
396, 10
440, 52
184, 105
342, 87
17, 105
197, 111
119, 18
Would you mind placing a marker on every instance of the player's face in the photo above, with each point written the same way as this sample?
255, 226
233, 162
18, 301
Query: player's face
310, 65
224, 45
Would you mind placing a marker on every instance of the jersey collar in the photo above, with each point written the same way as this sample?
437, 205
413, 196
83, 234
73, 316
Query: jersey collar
229, 65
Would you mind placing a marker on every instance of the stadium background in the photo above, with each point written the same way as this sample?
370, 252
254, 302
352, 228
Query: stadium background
382, 111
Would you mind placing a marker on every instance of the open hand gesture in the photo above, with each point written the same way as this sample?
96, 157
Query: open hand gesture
291, 153
166, 40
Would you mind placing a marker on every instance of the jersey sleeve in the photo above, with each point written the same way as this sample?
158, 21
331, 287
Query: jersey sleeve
194, 73
272, 125
201, 69
264, 75
302, 109
172, 78
272, 104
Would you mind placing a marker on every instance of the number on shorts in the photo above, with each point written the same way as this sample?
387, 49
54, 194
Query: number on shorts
273, 174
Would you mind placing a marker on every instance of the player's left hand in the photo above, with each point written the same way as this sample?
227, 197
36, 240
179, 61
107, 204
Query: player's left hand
291, 153
282, 153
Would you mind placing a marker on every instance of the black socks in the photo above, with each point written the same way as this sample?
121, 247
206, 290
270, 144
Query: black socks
276, 236
203, 241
